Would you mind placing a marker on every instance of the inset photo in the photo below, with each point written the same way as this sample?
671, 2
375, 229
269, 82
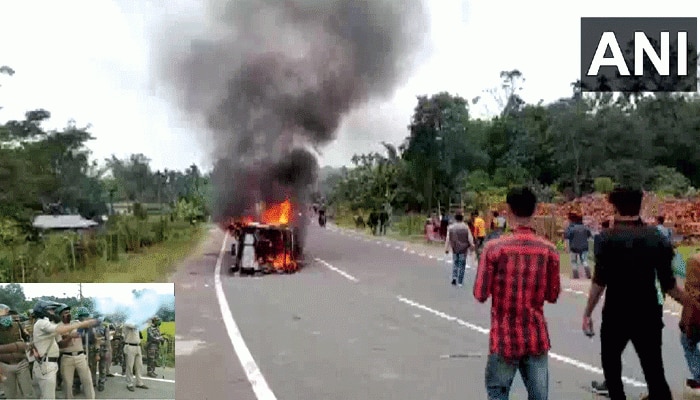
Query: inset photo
87, 341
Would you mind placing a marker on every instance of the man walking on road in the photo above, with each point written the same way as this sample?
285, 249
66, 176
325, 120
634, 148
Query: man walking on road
134, 357
520, 272
630, 258
577, 235
459, 240
480, 228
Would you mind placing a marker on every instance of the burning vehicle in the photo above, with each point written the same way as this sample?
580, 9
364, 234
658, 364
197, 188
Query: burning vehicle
270, 245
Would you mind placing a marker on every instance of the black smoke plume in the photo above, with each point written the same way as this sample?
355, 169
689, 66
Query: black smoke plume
274, 78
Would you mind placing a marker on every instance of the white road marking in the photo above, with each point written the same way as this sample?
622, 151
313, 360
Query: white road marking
340, 271
447, 261
146, 378
255, 377
482, 330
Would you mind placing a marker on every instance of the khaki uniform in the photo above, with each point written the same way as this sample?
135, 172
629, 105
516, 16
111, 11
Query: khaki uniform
74, 359
133, 355
46, 366
14, 363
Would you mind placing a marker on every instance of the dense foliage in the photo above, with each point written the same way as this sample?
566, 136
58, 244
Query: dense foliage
571, 147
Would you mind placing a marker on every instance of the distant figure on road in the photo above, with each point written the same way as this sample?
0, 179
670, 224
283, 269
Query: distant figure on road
373, 221
459, 241
383, 221
576, 238
480, 228
630, 258
519, 266
665, 232
322, 217
498, 224
444, 224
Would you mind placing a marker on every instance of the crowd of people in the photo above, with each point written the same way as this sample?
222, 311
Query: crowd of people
47, 351
636, 265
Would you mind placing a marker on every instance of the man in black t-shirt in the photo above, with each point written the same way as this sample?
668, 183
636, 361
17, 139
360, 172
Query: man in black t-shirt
630, 258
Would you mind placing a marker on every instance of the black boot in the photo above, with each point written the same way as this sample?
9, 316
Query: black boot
587, 271
574, 273
454, 282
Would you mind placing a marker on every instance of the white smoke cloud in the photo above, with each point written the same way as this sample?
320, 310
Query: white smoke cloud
139, 308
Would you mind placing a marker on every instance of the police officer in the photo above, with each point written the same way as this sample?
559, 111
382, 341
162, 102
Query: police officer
13, 357
44, 347
91, 343
73, 358
153, 340
134, 357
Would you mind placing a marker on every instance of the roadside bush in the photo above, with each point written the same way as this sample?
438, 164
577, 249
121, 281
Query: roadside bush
409, 225
603, 184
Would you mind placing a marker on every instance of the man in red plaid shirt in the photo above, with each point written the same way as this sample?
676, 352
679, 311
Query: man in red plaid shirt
520, 271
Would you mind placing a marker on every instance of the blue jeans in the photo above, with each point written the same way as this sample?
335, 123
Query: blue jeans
459, 264
692, 355
533, 369
579, 258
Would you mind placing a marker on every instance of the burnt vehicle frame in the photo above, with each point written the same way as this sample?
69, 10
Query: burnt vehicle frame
256, 245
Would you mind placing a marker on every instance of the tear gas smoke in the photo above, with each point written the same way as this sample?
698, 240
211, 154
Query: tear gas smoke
274, 78
138, 308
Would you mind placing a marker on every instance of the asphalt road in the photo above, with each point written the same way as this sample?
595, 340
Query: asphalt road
368, 318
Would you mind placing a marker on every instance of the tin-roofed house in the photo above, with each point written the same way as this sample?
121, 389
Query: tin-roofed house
63, 223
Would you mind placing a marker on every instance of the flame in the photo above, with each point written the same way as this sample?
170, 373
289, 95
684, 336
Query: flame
278, 214
279, 262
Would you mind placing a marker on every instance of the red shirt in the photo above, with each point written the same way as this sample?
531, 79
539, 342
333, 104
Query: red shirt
520, 271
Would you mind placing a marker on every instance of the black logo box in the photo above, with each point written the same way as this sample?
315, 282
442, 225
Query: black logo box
609, 79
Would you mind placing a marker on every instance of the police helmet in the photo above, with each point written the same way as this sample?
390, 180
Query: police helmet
62, 308
42, 307
82, 312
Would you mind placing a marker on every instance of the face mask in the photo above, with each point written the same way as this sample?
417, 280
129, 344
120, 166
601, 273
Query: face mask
54, 318
6, 321
66, 318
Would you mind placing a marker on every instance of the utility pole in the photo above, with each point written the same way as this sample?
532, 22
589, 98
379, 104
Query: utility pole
80, 293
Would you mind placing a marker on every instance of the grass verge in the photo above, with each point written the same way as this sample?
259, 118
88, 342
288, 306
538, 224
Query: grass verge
153, 264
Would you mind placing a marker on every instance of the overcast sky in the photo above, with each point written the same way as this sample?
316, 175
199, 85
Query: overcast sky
89, 61
114, 291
